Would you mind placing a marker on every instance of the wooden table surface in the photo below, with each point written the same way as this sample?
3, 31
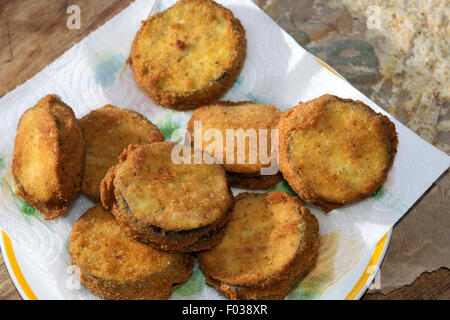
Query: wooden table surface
34, 33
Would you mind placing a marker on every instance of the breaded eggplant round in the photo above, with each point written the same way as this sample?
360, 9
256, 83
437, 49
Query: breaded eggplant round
107, 132
335, 151
249, 121
174, 207
270, 244
48, 156
189, 54
113, 266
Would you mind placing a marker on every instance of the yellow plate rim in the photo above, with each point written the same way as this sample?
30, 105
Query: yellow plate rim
355, 293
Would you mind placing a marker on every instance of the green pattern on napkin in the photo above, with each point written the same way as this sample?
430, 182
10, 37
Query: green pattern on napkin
248, 95
168, 125
25, 208
310, 289
105, 73
379, 193
194, 285
283, 186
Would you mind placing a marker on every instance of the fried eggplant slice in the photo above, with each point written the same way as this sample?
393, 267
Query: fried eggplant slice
113, 266
107, 132
189, 54
173, 207
250, 122
335, 151
270, 243
48, 156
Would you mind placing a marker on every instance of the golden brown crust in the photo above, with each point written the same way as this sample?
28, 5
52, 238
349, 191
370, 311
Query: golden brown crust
335, 151
185, 48
107, 132
244, 116
169, 195
49, 155
189, 214
275, 291
113, 266
270, 243
194, 240
253, 181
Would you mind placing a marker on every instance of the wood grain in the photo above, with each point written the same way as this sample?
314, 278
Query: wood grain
429, 286
7, 289
34, 33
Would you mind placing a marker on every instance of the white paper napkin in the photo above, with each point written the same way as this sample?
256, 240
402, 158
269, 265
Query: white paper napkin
277, 71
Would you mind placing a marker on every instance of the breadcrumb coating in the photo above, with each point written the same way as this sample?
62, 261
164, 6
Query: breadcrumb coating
270, 242
189, 54
171, 206
335, 151
113, 266
107, 132
48, 158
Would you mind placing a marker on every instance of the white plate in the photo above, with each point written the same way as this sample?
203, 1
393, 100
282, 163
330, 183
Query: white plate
34, 283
